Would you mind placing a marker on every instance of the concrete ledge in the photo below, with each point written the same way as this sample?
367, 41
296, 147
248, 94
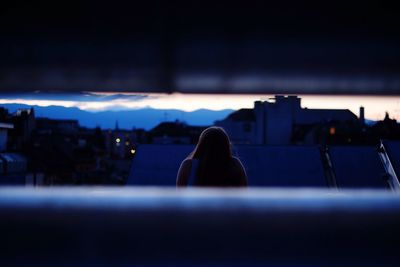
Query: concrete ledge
196, 227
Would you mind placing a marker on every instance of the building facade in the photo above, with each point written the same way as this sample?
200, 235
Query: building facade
274, 122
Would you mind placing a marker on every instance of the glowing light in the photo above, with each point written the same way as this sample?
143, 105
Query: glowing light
332, 131
117, 140
133, 151
127, 143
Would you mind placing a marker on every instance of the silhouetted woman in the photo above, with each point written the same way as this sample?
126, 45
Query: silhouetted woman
211, 163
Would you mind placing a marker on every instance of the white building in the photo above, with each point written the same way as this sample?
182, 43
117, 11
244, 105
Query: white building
273, 122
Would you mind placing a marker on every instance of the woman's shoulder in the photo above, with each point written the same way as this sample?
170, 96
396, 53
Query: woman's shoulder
184, 172
237, 165
187, 162
237, 161
240, 171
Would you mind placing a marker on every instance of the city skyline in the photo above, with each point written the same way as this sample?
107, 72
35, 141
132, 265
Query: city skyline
375, 106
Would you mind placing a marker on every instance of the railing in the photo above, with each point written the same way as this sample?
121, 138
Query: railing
391, 176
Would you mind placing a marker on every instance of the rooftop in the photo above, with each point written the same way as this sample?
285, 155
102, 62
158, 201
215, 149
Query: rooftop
244, 114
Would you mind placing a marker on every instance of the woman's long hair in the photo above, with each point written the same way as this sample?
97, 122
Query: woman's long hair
214, 153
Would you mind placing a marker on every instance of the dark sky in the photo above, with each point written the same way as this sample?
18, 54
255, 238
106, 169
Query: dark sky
124, 19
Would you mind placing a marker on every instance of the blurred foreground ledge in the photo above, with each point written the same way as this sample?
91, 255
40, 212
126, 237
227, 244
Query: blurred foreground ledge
196, 227
230, 47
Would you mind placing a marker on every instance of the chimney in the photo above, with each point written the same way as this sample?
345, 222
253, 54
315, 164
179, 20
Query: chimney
361, 117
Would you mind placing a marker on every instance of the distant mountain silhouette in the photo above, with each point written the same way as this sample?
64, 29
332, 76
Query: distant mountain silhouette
145, 118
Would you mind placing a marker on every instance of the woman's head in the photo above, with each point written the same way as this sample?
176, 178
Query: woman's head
215, 158
214, 143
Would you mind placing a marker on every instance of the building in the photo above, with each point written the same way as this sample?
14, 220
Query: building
24, 123
4, 127
176, 132
274, 122
13, 168
241, 126
57, 126
120, 143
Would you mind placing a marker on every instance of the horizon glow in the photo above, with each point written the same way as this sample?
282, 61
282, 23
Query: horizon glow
375, 106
